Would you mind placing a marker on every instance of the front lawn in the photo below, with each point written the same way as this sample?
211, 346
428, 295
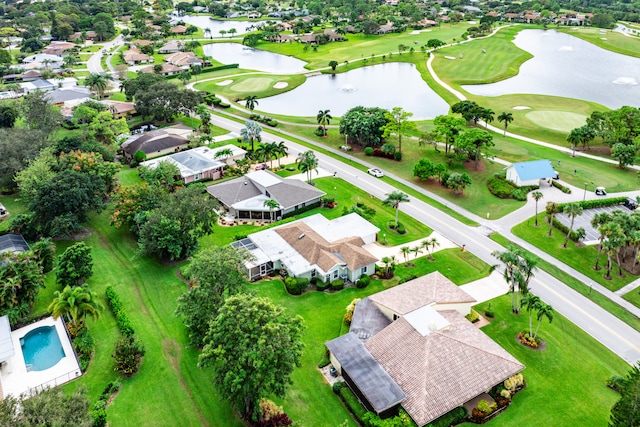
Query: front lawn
565, 382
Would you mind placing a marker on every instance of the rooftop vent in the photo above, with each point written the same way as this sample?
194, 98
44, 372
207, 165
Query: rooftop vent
300, 236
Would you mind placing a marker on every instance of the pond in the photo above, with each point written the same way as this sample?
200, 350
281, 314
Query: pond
253, 59
569, 67
215, 25
394, 84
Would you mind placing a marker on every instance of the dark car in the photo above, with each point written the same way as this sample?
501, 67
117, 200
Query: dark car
630, 203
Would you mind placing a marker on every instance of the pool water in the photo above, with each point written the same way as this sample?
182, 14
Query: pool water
41, 348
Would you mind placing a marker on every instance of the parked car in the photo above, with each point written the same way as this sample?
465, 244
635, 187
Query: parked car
376, 172
261, 167
556, 175
630, 203
600, 191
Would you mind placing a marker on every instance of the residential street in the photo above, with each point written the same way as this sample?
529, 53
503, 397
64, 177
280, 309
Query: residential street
606, 328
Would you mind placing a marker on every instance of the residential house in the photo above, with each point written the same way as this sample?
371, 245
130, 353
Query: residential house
85, 35
40, 84
166, 70
141, 43
45, 60
243, 198
59, 48
172, 46
194, 165
237, 153
133, 56
74, 95
511, 17
158, 142
313, 247
386, 28
184, 60
30, 76
254, 15
411, 346
178, 30
525, 174
120, 109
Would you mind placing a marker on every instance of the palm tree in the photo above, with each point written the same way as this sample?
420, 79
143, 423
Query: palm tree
75, 303
251, 132
333, 65
324, 118
530, 303
205, 31
222, 33
272, 205
430, 245
272, 153
574, 138
282, 151
225, 153
416, 250
537, 195
394, 199
251, 102
262, 152
506, 118
518, 272
98, 82
572, 210
552, 210
600, 221
487, 116
544, 310
405, 252
205, 117
307, 162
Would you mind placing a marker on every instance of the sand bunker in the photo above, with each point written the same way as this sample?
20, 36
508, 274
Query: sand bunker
521, 107
450, 57
625, 81
280, 85
224, 83
603, 38
566, 49
414, 32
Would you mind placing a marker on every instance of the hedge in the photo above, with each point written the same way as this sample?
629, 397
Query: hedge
561, 187
564, 229
353, 404
302, 210
596, 203
452, 417
124, 324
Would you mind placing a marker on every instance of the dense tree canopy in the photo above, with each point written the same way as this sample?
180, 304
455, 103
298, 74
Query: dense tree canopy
626, 412
252, 347
50, 407
20, 280
164, 100
214, 274
17, 148
75, 265
363, 126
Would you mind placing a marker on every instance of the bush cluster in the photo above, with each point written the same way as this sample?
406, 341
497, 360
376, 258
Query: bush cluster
84, 344
379, 153
368, 151
596, 203
337, 285
514, 383
124, 324
473, 316
264, 119
574, 235
561, 187
99, 412
503, 189
295, 285
363, 281
322, 286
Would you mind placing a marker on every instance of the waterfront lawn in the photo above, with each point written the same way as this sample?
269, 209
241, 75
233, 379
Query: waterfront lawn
260, 85
580, 258
615, 41
501, 59
565, 382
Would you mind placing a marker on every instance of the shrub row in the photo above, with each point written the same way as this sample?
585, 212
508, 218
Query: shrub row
124, 324
369, 419
350, 400
451, 418
99, 412
561, 187
596, 203
503, 189
264, 119
301, 210
83, 345
207, 70
564, 229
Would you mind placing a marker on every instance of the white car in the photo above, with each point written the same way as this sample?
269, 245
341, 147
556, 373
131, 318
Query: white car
376, 172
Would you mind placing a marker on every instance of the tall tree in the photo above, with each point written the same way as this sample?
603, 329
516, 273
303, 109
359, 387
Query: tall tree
214, 275
448, 127
75, 265
394, 199
475, 142
537, 195
20, 280
626, 412
251, 102
164, 100
273, 205
487, 115
506, 118
519, 267
599, 222
252, 347
531, 303
251, 132
282, 151
399, 124
324, 118
543, 310
75, 303
39, 114
363, 125
98, 82
572, 210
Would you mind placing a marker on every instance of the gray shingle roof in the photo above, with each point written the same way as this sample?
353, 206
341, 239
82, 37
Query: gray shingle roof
13, 243
154, 141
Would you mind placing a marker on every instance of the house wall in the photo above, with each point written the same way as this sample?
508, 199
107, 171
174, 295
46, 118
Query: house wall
513, 176
389, 314
462, 308
336, 364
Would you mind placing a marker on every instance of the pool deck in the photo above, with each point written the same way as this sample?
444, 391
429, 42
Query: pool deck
14, 377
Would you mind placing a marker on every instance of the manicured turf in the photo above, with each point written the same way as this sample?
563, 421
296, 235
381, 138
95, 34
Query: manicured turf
633, 297
580, 258
253, 84
565, 382
562, 121
615, 41
15, 207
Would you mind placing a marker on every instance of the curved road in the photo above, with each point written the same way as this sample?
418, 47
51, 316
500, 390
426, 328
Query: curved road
603, 326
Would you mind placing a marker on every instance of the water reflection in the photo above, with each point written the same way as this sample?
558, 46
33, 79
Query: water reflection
567, 66
216, 25
253, 59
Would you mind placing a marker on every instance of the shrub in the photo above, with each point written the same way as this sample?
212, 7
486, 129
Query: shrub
322, 286
500, 188
488, 312
353, 404
615, 382
122, 319
506, 394
519, 194
336, 285
337, 386
139, 156
110, 389
473, 316
319, 131
84, 345
397, 155
294, 286
127, 355
486, 407
514, 383
272, 123
368, 151
401, 229
99, 417
363, 281
348, 316
561, 187
327, 200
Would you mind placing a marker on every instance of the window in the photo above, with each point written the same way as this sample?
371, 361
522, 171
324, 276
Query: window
313, 273
197, 177
335, 274
363, 270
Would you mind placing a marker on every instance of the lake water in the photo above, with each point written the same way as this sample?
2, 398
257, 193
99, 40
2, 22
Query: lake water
215, 25
253, 59
567, 66
394, 84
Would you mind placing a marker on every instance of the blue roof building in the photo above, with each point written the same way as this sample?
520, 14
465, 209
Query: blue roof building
530, 173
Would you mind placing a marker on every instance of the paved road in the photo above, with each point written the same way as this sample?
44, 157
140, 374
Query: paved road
606, 328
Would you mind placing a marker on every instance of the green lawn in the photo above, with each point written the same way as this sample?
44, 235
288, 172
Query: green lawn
260, 85
615, 41
565, 382
580, 258
633, 297
15, 207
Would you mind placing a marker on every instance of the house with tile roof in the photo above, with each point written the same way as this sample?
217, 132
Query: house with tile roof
313, 247
158, 142
243, 198
411, 346
194, 165
133, 56
172, 46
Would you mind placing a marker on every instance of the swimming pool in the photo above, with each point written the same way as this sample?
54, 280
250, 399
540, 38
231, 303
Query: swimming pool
41, 348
